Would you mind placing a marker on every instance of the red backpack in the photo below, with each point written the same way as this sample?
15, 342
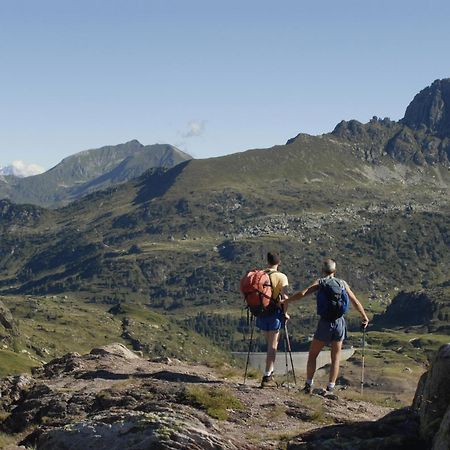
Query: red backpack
256, 286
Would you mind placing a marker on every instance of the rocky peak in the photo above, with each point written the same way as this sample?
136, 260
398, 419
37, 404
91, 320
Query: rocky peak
430, 109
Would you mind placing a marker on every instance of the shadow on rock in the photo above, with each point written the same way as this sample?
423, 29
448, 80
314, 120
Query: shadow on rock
396, 431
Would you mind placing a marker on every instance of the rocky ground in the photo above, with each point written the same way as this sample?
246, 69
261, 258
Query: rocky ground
114, 399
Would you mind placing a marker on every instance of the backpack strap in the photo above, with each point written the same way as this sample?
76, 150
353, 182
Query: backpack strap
270, 272
340, 282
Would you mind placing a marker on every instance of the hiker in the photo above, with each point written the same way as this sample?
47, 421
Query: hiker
331, 328
272, 321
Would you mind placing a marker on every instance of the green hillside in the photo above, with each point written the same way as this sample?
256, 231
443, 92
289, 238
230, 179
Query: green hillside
175, 242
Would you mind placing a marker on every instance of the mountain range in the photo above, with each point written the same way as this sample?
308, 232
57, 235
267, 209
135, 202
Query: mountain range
175, 241
88, 171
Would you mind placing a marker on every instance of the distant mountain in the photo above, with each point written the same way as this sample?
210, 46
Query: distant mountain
6, 171
21, 169
88, 171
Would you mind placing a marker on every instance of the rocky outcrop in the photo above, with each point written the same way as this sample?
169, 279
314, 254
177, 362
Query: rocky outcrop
13, 387
432, 400
425, 310
158, 427
407, 309
430, 109
442, 439
396, 431
426, 425
422, 137
112, 399
7, 321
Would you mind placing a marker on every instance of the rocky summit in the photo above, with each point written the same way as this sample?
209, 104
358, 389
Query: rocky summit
113, 399
430, 109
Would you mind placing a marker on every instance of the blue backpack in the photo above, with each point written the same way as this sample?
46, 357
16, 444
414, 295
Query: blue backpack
332, 298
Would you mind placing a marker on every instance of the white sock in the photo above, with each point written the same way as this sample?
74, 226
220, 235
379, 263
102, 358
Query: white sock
310, 382
331, 385
267, 374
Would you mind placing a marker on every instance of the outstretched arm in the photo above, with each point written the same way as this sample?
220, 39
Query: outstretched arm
301, 294
358, 306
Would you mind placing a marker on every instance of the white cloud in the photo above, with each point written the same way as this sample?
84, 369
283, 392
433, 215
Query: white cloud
194, 128
22, 169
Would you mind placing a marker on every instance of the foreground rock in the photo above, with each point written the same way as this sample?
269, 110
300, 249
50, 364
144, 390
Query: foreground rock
113, 399
159, 428
432, 401
426, 425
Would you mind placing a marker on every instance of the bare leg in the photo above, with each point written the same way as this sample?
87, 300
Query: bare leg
314, 350
272, 338
336, 348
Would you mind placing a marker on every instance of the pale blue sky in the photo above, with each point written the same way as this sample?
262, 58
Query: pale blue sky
212, 77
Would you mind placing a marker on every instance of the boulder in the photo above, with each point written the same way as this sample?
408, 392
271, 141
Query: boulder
442, 439
12, 388
163, 428
434, 398
68, 363
114, 350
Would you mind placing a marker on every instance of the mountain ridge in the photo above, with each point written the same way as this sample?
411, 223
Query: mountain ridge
89, 170
421, 137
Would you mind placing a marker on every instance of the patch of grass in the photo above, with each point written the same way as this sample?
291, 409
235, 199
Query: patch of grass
4, 415
376, 398
315, 405
11, 362
276, 412
226, 371
216, 401
253, 374
6, 439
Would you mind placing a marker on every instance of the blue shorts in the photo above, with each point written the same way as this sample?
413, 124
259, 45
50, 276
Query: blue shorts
271, 323
329, 331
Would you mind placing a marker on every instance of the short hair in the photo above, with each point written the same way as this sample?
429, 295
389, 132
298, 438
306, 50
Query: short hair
329, 266
273, 258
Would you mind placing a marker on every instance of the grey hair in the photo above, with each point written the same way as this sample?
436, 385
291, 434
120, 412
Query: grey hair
329, 266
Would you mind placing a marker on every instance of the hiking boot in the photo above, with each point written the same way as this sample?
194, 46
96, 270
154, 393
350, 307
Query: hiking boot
320, 391
268, 381
307, 389
327, 393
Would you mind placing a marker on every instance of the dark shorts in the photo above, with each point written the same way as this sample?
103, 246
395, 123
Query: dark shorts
329, 331
270, 323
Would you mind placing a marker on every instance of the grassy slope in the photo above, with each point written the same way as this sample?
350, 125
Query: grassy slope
50, 326
342, 209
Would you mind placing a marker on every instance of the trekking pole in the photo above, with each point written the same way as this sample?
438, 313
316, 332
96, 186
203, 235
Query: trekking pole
249, 348
286, 356
363, 354
286, 334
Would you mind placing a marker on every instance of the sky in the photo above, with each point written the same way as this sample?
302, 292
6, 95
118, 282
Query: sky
210, 77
